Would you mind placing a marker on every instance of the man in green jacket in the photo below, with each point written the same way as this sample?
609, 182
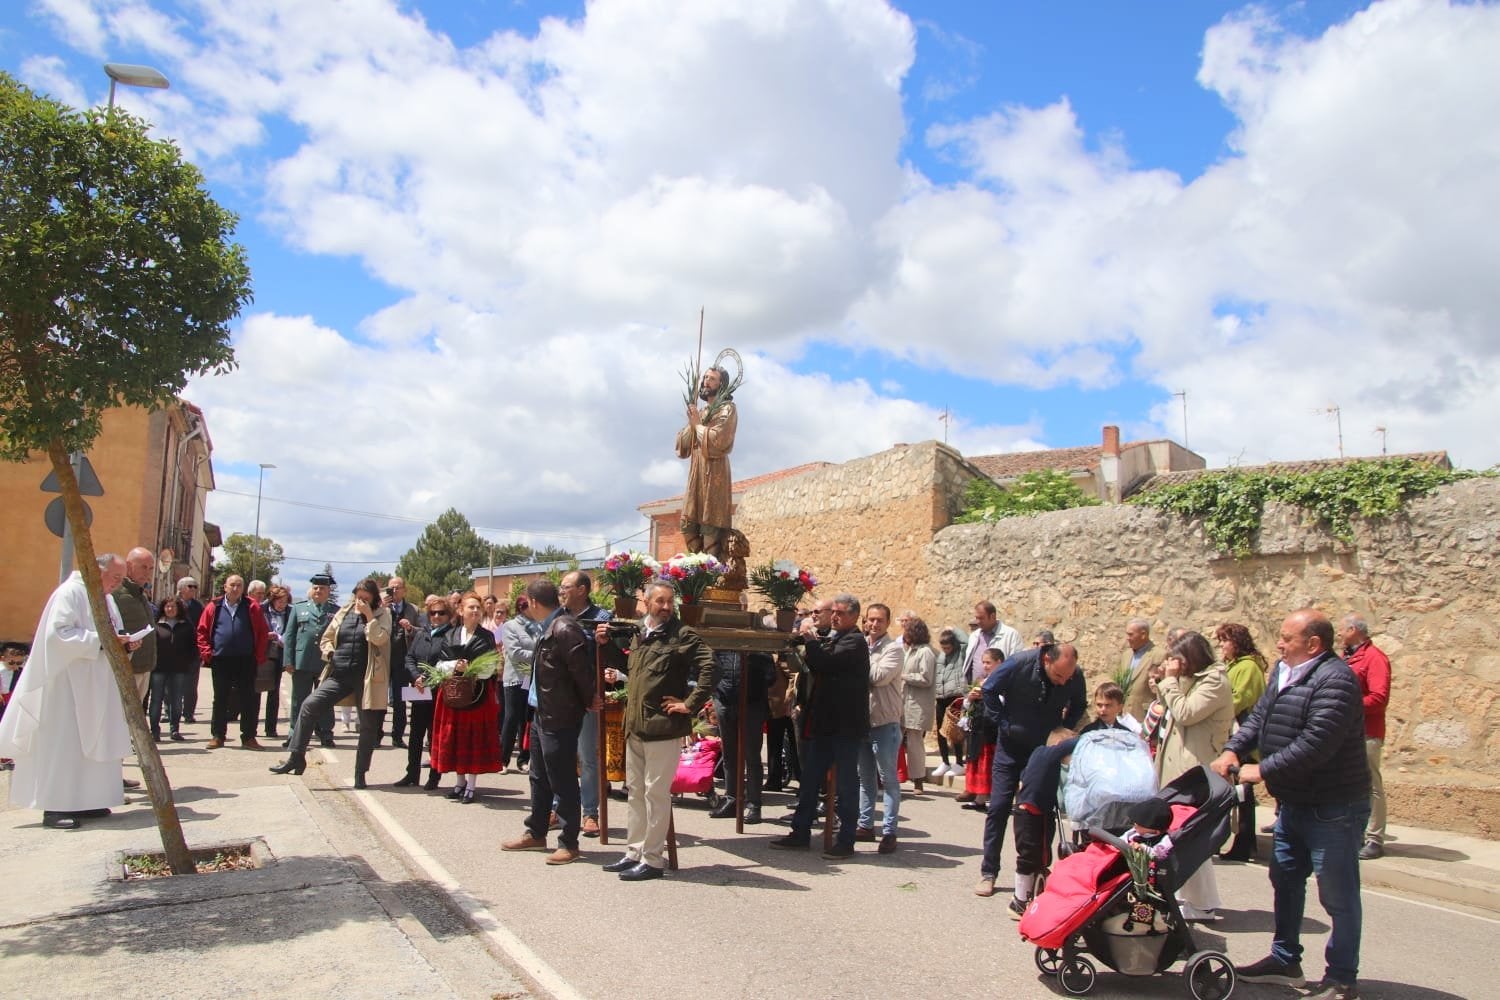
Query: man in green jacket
300, 655
659, 711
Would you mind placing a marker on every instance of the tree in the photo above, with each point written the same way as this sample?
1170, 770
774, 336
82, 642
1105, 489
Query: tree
1031, 493
118, 281
445, 556
552, 554
243, 558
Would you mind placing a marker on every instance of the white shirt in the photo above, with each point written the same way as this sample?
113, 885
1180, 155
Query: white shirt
1286, 675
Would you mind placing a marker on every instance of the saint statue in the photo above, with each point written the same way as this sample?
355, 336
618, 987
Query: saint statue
706, 442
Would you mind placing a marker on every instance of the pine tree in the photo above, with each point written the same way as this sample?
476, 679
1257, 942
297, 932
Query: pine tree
445, 556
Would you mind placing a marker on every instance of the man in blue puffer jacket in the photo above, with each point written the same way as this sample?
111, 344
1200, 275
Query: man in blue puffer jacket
1309, 727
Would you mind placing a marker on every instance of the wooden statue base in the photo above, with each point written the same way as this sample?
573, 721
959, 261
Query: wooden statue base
722, 614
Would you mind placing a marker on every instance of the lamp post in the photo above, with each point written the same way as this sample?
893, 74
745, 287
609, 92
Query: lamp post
255, 552
131, 76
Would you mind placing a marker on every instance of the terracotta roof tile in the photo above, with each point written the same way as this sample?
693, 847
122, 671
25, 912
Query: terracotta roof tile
1008, 466
1161, 479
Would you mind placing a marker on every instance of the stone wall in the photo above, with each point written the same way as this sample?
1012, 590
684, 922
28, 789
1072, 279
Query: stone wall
1425, 580
861, 527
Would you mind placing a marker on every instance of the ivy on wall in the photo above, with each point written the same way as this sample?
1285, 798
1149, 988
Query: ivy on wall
1031, 493
1231, 503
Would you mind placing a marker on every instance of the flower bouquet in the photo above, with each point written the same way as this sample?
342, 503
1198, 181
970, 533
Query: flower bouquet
783, 583
627, 571
691, 574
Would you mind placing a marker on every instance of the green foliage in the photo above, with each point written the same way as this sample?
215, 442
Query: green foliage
445, 556
242, 558
553, 554
1231, 503
1031, 493
118, 276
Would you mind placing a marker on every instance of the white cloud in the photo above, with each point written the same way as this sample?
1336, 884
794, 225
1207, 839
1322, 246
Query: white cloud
555, 208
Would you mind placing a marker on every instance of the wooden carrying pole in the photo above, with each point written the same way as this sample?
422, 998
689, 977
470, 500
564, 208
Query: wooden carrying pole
739, 775
599, 747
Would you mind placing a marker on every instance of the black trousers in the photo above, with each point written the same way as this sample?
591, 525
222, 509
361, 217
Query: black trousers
554, 777
272, 711
398, 707
234, 685
513, 715
303, 682
420, 715
190, 694
755, 718
943, 745
781, 751
1033, 840
1005, 778
320, 704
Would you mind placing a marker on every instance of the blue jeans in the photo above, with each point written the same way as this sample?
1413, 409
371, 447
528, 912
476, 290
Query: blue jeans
588, 764
818, 753
167, 692
1324, 839
877, 754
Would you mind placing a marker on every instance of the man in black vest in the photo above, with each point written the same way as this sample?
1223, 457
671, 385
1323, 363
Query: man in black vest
1309, 727
404, 621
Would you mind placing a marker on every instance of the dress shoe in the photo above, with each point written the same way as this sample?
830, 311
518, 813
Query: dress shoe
1371, 851
640, 873
590, 826
408, 781
433, 777
359, 780
563, 855
838, 852
964, 797
191, 720
178, 737
773, 785
326, 742
89, 813
724, 810
131, 783
249, 743
215, 743
791, 842
976, 805
399, 744
525, 842
752, 814
272, 734
457, 793
468, 796
295, 763
624, 864
59, 821
156, 735
888, 844
864, 834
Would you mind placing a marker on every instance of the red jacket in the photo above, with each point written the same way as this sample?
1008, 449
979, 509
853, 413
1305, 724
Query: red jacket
259, 632
1373, 668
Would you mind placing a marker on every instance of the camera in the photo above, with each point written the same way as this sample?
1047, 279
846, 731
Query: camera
619, 629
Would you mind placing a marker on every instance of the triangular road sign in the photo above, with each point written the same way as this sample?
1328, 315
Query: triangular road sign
88, 480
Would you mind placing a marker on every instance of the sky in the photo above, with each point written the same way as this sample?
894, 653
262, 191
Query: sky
481, 235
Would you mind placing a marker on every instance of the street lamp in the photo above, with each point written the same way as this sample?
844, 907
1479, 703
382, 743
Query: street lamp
133, 76
256, 551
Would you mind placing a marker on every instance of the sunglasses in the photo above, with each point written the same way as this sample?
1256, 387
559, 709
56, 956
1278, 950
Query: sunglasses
435, 613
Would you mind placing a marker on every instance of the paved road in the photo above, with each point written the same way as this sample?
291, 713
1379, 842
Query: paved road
740, 920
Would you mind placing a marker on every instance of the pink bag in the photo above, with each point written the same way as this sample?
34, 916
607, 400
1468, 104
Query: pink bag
696, 766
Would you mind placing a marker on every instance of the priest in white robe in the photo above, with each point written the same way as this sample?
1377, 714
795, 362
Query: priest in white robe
64, 724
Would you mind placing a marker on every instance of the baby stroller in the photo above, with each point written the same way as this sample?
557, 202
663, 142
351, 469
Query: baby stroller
1094, 905
1110, 771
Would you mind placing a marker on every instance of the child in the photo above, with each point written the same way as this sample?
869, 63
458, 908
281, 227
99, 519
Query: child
1156, 712
1152, 818
12, 659
981, 748
1035, 813
1109, 710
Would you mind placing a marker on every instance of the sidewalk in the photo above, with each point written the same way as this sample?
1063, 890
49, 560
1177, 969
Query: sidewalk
356, 901
333, 913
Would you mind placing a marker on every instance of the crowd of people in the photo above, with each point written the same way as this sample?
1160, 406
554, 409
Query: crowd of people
857, 697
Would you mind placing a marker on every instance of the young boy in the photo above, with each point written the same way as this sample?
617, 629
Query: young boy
1034, 814
12, 659
1109, 710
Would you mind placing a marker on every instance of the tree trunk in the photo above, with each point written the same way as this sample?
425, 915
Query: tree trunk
155, 775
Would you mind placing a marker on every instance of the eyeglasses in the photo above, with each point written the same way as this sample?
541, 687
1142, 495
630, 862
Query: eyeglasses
190, 586
435, 613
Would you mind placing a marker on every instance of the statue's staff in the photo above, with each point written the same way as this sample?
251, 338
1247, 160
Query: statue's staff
697, 369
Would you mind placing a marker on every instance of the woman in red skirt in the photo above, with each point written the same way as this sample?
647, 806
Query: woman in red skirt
467, 740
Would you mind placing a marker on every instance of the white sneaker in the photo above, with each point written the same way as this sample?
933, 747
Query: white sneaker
940, 772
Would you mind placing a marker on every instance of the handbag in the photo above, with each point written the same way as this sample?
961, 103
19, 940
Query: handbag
462, 692
266, 675
950, 729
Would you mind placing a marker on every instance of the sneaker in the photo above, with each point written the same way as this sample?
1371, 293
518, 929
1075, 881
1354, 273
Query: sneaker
1328, 989
1017, 908
1371, 851
838, 852
1272, 970
563, 856
986, 886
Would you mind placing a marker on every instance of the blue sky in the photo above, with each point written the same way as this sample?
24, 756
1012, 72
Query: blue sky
1044, 217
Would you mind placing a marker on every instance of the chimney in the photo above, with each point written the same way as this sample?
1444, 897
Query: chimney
1109, 465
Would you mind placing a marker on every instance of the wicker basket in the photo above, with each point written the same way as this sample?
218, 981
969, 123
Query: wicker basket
462, 692
950, 728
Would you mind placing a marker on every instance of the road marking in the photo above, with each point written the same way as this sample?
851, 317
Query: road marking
527, 960
1430, 906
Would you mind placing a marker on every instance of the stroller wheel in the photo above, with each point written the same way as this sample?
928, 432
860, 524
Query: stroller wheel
1076, 976
1048, 961
1209, 975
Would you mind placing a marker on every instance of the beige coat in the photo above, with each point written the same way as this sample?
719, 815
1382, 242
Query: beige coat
1138, 692
1201, 711
918, 673
376, 693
